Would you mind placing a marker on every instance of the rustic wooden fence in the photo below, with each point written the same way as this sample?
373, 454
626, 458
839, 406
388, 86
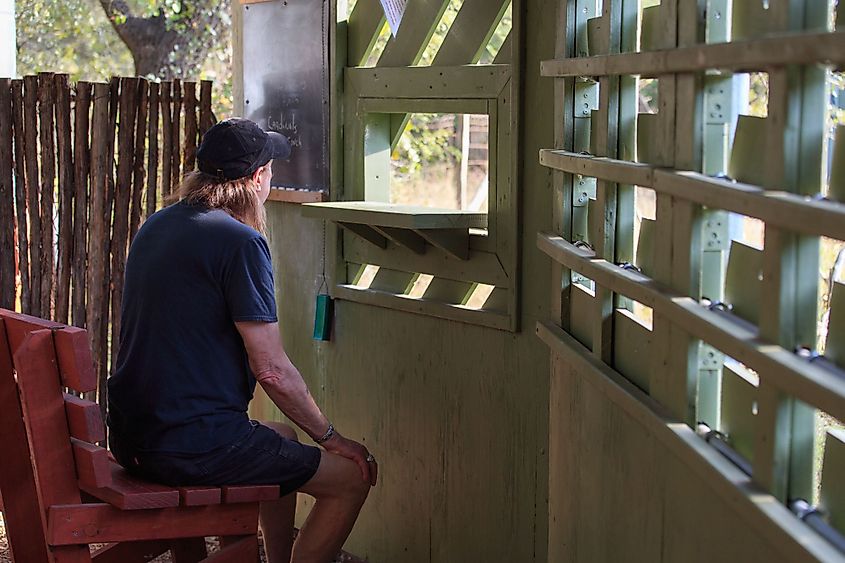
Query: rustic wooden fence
81, 166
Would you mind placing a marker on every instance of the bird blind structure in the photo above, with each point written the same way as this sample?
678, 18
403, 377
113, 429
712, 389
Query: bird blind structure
688, 324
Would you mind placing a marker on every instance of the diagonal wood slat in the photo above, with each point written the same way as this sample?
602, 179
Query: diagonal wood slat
470, 32
410, 42
365, 22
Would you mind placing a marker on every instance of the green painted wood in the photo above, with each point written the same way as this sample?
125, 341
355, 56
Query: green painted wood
581, 308
377, 157
470, 32
505, 54
365, 23
392, 281
832, 498
411, 41
738, 409
645, 247
744, 281
799, 48
449, 82
633, 342
395, 215
595, 416
448, 291
483, 268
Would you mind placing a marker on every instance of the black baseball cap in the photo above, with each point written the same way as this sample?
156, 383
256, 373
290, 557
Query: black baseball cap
236, 147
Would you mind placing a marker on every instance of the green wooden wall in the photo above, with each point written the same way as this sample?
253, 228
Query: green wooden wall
459, 415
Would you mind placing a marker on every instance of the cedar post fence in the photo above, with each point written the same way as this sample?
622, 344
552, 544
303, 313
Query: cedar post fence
81, 166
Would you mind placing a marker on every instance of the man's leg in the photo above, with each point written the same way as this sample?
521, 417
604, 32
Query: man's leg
276, 517
340, 492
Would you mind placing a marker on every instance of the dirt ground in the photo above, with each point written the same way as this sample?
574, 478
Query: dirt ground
211, 544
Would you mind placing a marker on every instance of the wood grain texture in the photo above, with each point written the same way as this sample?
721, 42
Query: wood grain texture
166, 139
128, 113
206, 116
76, 364
7, 199
21, 507
153, 152
191, 126
129, 493
249, 493
66, 189
176, 133
81, 172
102, 523
84, 419
92, 464
21, 197
33, 188
47, 160
97, 251
199, 496
759, 54
138, 165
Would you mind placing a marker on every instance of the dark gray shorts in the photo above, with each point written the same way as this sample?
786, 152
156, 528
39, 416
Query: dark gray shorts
262, 457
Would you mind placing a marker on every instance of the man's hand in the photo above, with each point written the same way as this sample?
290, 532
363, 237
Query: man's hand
351, 449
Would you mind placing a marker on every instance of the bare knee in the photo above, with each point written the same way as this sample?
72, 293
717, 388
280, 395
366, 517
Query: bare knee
282, 429
338, 478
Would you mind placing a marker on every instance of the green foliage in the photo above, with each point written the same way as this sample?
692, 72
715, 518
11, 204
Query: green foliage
76, 37
428, 139
72, 36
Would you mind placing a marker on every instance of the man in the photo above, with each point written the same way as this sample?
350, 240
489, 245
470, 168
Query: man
198, 329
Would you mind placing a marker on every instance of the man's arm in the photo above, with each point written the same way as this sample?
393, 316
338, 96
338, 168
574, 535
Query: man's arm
286, 388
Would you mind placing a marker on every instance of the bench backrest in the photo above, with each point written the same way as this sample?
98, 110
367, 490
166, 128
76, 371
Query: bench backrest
37, 359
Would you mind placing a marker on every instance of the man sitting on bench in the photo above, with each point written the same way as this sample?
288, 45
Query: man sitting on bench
198, 330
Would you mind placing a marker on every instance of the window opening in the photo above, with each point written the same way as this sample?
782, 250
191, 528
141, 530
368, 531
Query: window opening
442, 161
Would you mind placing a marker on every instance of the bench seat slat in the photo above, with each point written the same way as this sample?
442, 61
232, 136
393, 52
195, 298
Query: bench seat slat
128, 493
200, 496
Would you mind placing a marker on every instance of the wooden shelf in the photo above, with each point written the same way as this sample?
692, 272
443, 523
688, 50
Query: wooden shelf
289, 195
405, 225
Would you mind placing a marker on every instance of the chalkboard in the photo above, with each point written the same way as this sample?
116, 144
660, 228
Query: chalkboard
286, 89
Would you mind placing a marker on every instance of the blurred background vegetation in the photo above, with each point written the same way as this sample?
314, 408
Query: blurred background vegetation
94, 40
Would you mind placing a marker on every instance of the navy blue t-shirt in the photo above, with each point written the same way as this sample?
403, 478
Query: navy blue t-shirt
182, 381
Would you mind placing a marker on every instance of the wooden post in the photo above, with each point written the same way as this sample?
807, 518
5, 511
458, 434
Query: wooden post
46, 101
7, 206
152, 156
176, 132
190, 126
33, 190
66, 192
97, 227
206, 115
123, 189
20, 195
166, 139
138, 159
82, 165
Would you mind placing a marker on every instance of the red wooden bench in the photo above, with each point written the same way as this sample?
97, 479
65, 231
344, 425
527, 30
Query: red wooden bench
62, 492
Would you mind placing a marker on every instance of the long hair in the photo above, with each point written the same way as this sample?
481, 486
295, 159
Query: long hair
238, 197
